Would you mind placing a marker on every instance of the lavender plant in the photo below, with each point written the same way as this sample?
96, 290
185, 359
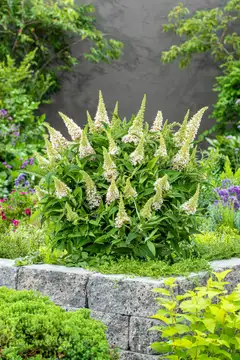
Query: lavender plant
226, 209
119, 187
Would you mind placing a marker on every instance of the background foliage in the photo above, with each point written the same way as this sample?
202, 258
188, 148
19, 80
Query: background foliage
211, 31
50, 28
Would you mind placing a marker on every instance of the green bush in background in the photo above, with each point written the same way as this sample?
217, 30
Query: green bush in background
32, 327
50, 28
211, 31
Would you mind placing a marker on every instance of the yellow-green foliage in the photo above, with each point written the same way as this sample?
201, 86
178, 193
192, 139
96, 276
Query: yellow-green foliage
32, 327
221, 244
200, 324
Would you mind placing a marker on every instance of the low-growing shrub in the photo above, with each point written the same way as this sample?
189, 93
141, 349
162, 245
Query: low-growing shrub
223, 243
23, 240
200, 324
32, 327
120, 187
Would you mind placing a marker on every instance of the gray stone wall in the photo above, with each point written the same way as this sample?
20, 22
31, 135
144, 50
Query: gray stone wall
123, 303
138, 24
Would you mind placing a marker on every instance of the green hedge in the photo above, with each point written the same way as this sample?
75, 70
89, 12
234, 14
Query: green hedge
32, 327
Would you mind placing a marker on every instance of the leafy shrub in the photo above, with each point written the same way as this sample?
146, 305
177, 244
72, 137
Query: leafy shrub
228, 146
119, 187
211, 31
223, 243
32, 327
51, 27
200, 324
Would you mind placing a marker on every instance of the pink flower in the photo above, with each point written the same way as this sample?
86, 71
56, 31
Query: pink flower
15, 222
2, 200
23, 193
27, 211
3, 216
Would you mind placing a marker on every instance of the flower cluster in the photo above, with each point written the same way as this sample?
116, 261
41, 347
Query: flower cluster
17, 207
228, 195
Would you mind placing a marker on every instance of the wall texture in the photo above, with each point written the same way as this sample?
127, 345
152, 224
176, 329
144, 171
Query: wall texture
138, 24
123, 303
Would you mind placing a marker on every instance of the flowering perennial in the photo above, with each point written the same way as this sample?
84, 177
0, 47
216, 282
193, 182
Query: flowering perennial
129, 191
73, 129
61, 189
135, 132
109, 167
122, 216
93, 198
190, 206
121, 173
101, 117
85, 148
112, 192
162, 149
157, 124
137, 156
58, 141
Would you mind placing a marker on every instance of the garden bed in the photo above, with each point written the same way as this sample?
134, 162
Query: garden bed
123, 303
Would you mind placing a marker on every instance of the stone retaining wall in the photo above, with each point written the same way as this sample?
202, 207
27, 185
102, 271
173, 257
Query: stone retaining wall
123, 303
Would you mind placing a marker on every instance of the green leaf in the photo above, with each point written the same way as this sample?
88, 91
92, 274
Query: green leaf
210, 324
151, 247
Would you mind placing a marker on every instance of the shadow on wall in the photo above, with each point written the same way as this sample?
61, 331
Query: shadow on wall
138, 24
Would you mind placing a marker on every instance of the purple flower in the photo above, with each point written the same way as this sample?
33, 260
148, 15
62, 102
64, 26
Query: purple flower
24, 164
229, 137
238, 126
226, 183
3, 112
31, 161
16, 133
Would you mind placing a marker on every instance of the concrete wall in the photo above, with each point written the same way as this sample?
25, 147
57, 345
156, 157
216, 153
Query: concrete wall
138, 24
123, 303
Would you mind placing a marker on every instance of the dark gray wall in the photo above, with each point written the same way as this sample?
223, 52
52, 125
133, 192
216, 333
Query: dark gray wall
138, 24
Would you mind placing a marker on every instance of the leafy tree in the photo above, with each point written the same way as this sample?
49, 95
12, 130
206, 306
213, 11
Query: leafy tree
52, 27
211, 31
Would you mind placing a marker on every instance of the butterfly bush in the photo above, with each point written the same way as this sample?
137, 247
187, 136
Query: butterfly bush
121, 187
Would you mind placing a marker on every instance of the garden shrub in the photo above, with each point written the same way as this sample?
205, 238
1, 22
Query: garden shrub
50, 28
223, 243
200, 324
32, 327
228, 146
211, 31
120, 187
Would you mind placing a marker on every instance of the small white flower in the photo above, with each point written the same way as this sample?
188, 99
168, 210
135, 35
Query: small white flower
157, 124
